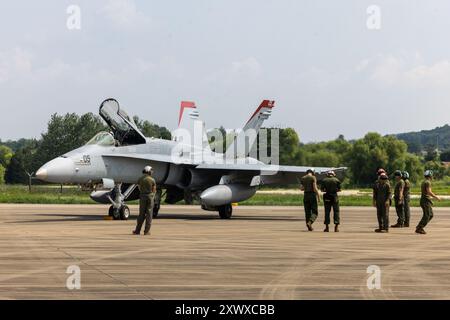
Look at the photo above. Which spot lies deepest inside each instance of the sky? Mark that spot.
(333, 67)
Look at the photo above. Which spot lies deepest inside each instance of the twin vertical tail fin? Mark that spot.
(189, 123)
(247, 136)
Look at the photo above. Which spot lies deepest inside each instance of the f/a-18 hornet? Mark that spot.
(111, 163)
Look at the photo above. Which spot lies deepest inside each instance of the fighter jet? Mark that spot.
(111, 163)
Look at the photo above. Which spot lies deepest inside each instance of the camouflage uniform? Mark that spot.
(146, 186)
(427, 205)
(309, 198)
(399, 208)
(406, 201)
(382, 197)
(331, 186)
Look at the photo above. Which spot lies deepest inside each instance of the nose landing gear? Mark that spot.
(118, 210)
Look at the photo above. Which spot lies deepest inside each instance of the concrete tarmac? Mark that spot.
(261, 253)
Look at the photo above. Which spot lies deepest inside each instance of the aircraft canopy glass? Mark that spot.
(124, 129)
(102, 139)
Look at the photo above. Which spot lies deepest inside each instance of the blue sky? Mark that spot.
(328, 73)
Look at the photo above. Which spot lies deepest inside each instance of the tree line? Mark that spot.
(363, 156)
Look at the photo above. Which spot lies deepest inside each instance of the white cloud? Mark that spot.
(406, 71)
(124, 14)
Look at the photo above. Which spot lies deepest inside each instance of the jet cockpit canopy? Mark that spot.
(123, 127)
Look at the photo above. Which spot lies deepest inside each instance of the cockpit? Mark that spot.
(125, 131)
(102, 139)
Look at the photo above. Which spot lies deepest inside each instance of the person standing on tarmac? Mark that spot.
(406, 198)
(399, 199)
(147, 189)
(331, 186)
(426, 202)
(381, 201)
(311, 197)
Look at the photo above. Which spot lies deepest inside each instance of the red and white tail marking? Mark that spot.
(184, 105)
(269, 104)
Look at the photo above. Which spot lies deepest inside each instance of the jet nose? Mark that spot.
(59, 170)
(41, 174)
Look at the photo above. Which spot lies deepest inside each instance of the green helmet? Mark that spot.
(428, 173)
(405, 175)
(397, 173)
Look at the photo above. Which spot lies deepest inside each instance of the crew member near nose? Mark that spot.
(331, 186)
(426, 202)
(311, 197)
(399, 199)
(147, 189)
(406, 198)
(382, 201)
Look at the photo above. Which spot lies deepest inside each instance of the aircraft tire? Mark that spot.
(124, 212)
(114, 213)
(226, 211)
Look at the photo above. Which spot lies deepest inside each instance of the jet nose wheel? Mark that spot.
(225, 211)
(122, 213)
(113, 212)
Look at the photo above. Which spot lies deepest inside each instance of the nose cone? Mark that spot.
(59, 170)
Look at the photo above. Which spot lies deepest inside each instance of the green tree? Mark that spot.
(290, 152)
(445, 155)
(23, 161)
(2, 174)
(5, 155)
(374, 151)
(152, 130)
(65, 133)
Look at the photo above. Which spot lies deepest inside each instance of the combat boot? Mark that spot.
(379, 230)
(135, 233)
(309, 226)
(420, 231)
(406, 225)
(336, 228)
(397, 225)
(326, 229)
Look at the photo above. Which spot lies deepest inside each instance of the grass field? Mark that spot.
(74, 195)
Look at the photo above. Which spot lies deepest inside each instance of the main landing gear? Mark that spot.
(225, 211)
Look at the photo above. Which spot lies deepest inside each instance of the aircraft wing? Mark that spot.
(268, 174)
(273, 174)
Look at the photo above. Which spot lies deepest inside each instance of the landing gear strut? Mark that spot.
(225, 211)
(118, 209)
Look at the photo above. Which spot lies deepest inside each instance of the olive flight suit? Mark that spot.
(331, 186)
(406, 201)
(309, 198)
(399, 204)
(146, 185)
(382, 197)
(427, 205)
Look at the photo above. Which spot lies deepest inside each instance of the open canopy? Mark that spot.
(124, 129)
